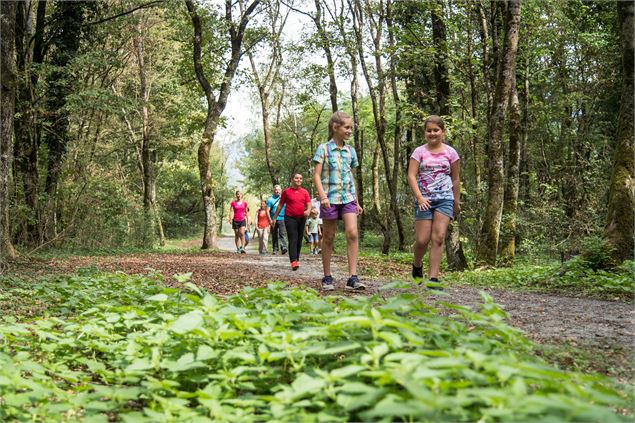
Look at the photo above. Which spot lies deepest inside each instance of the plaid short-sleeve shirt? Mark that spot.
(337, 176)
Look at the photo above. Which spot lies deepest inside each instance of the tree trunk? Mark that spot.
(358, 140)
(490, 230)
(70, 20)
(148, 154)
(326, 46)
(375, 171)
(7, 110)
(378, 100)
(619, 224)
(25, 126)
(510, 204)
(524, 156)
(215, 104)
(266, 82)
(397, 135)
(453, 248)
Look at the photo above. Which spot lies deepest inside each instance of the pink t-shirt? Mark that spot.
(240, 210)
(435, 182)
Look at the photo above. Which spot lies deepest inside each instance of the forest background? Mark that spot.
(114, 140)
(117, 144)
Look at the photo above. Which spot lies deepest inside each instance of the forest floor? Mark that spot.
(602, 331)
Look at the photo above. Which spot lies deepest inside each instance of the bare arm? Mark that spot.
(455, 171)
(231, 213)
(317, 181)
(359, 208)
(307, 209)
(413, 170)
(275, 215)
(269, 215)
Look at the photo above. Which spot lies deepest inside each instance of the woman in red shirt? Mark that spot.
(298, 209)
(263, 221)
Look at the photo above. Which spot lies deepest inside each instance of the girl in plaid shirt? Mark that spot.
(335, 183)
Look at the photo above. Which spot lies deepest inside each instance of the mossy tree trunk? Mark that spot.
(510, 203)
(7, 110)
(490, 230)
(621, 210)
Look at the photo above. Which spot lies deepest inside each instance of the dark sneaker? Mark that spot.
(242, 250)
(327, 283)
(284, 251)
(354, 284)
(435, 284)
(417, 273)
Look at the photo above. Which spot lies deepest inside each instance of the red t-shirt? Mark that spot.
(296, 201)
(263, 220)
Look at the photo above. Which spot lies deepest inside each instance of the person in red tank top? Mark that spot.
(298, 207)
(263, 221)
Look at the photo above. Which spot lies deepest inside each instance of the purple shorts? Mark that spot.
(336, 211)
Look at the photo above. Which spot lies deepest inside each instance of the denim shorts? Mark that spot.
(313, 237)
(444, 206)
(335, 211)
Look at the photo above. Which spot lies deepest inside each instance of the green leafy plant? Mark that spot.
(117, 347)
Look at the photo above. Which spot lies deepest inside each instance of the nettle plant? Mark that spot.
(114, 347)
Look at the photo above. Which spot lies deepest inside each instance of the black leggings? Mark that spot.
(295, 234)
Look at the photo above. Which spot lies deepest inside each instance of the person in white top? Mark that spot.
(315, 204)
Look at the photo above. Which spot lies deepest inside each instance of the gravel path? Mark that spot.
(543, 317)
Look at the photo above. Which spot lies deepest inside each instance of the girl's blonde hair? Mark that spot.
(337, 118)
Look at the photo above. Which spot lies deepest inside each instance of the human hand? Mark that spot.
(457, 209)
(424, 203)
(325, 202)
(359, 210)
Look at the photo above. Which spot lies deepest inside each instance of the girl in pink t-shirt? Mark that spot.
(238, 218)
(433, 176)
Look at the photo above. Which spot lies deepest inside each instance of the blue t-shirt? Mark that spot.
(272, 203)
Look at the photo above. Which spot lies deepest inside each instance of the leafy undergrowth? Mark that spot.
(574, 279)
(117, 347)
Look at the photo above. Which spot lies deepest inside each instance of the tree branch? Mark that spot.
(110, 18)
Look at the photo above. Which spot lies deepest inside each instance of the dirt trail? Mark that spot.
(598, 325)
(543, 317)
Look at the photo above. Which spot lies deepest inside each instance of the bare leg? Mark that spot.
(241, 235)
(352, 241)
(237, 238)
(328, 237)
(439, 227)
(423, 232)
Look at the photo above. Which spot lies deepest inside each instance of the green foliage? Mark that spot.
(579, 273)
(576, 277)
(596, 254)
(126, 348)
